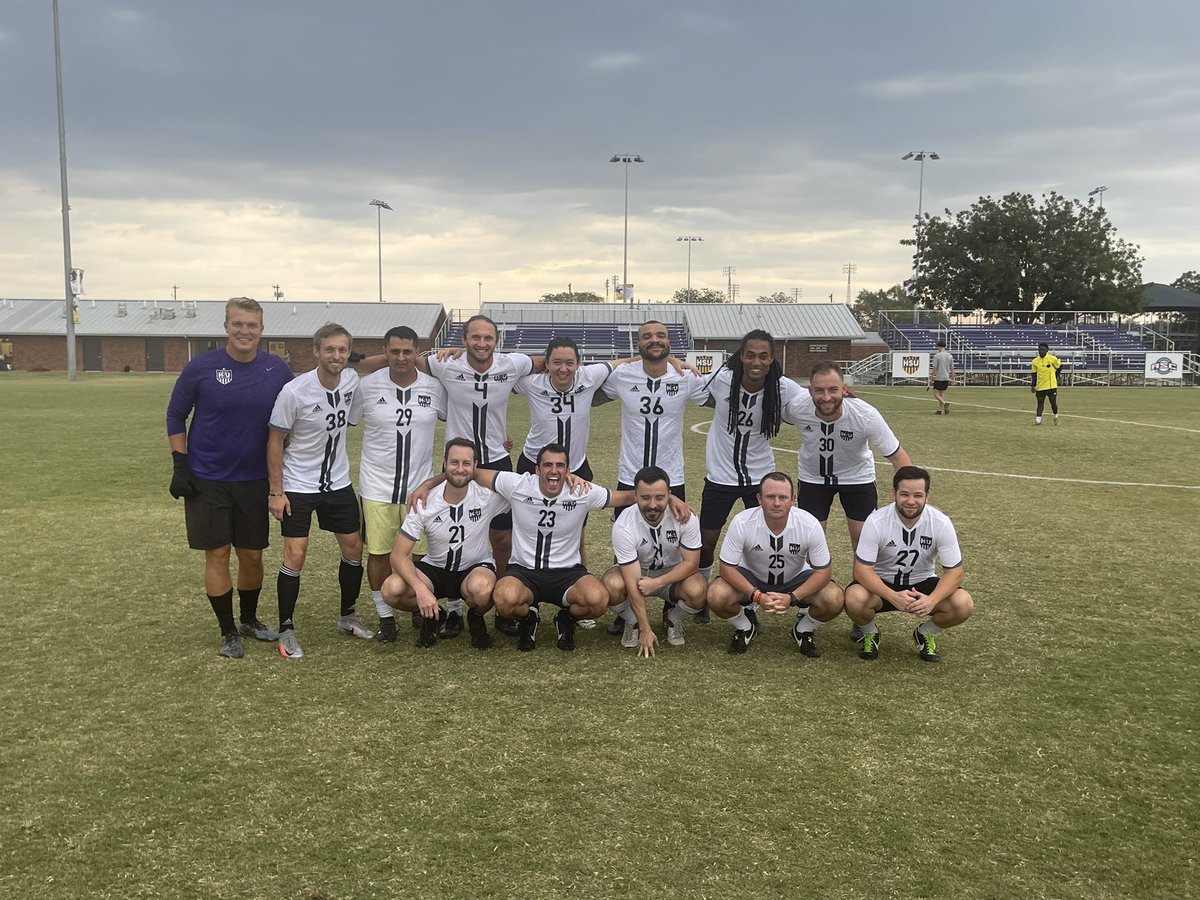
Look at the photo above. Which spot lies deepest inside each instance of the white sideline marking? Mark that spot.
(1062, 415)
(700, 428)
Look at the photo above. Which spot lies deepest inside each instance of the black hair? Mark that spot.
(910, 473)
(561, 341)
(772, 403)
(459, 442)
(553, 448)
(651, 475)
(777, 476)
(400, 333)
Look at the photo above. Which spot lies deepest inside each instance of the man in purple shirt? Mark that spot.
(221, 465)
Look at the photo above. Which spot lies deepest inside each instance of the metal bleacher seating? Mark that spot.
(597, 340)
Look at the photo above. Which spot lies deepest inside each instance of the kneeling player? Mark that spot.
(775, 556)
(454, 519)
(656, 556)
(894, 567)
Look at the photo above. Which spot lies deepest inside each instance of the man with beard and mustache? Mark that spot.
(894, 568)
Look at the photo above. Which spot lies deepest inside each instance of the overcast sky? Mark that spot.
(225, 147)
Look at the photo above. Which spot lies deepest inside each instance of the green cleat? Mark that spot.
(926, 645)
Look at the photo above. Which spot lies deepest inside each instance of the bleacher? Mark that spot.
(596, 340)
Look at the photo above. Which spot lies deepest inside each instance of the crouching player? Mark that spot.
(657, 556)
(894, 567)
(458, 565)
(775, 556)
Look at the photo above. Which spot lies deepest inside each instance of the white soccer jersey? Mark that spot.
(314, 458)
(477, 402)
(652, 418)
(742, 458)
(546, 530)
(457, 535)
(775, 558)
(836, 452)
(562, 417)
(903, 556)
(398, 426)
(656, 547)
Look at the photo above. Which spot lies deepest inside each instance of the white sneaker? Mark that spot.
(1056, 418)
(289, 646)
(675, 634)
(351, 625)
(629, 637)
(586, 624)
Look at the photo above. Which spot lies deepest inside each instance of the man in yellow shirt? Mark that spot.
(1044, 381)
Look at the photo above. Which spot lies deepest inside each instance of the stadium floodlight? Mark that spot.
(380, 206)
(691, 239)
(70, 299)
(1099, 190)
(626, 158)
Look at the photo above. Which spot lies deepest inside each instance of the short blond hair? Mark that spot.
(245, 304)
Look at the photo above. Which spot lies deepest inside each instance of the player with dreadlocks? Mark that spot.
(748, 393)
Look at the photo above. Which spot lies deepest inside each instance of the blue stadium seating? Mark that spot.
(596, 340)
(1005, 347)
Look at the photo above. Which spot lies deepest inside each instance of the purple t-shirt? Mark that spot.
(230, 403)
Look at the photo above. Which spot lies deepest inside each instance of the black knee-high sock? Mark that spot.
(350, 576)
(287, 585)
(248, 603)
(223, 607)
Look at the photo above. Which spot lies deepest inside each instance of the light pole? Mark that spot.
(626, 158)
(1100, 190)
(380, 206)
(66, 206)
(849, 269)
(920, 156)
(690, 239)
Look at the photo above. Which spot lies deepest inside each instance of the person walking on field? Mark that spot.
(941, 375)
(1044, 381)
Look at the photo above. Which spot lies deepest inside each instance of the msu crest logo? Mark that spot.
(569, 505)
(424, 400)
(224, 376)
(847, 435)
(794, 549)
(672, 537)
(500, 378)
(1161, 366)
(475, 513)
(672, 390)
(926, 541)
(910, 364)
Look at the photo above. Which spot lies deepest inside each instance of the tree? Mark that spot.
(1188, 281)
(698, 295)
(868, 304)
(777, 297)
(572, 297)
(1019, 254)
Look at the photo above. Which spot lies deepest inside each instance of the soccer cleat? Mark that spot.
(926, 645)
(564, 624)
(674, 632)
(258, 631)
(870, 645)
(702, 617)
(453, 626)
(289, 646)
(586, 624)
(1056, 418)
(856, 634)
(946, 408)
(231, 647)
(351, 625)
(804, 640)
(477, 626)
(616, 626)
(508, 626)
(741, 640)
(430, 629)
(629, 637)
(387, 631)
(527, 630)
(937, 412)
(417, 620)
(752, 615)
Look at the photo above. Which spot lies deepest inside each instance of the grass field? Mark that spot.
(1052, 753)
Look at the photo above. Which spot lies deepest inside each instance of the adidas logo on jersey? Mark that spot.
(381, 402)
(808, 428)
(891, 544)
(461, 377)
(317, 408)
(758, 546)
(644, 542)
(635, 390)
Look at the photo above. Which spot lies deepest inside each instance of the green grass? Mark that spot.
(1051, 754)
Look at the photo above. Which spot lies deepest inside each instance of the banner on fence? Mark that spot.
(910, 365)
(1164, 365)
(707, 361)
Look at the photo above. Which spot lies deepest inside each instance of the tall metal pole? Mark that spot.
(690, 239)
(379, 246)
(626, 158)
(66, 207)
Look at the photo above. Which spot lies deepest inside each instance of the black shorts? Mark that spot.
(526, 466)
(337, 511)
(717, 501)
(1052, 392)
(547, 585)
(858, 500)
(764, 585)
(228, 512)
(448, 585)
(941, 385)
(678, 490)
(926, 587)
(502, 522)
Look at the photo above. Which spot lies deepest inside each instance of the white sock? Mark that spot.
(1039, 419)
(381, 608)
(928, 627)
(453, 606)
(706, 571)
(621, 609)
(870, 628)
(676, 613)
(741, 621)
(807, 622)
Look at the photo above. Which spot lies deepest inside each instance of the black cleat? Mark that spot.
(870, 645)
(526, 630)
(926, 645)
(702, 617)
(752, 615)
(430, 629)
(507, 626)
(564, 624)
(387, 631)
(417, 621)
(804, 640)
(477, 626)
(454, 625)
(741, 640)
(616, 627)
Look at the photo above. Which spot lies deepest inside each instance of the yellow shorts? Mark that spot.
(380, 522)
